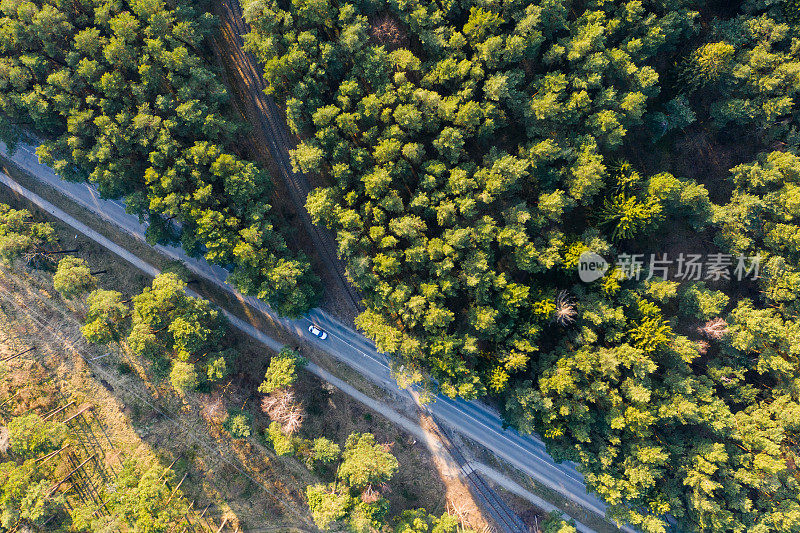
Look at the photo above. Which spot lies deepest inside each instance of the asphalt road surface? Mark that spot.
(472, 419)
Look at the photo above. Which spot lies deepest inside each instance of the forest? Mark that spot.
(143, 499)
(471, 152)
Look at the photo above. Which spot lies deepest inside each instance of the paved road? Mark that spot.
(472, 419)
(384, 409)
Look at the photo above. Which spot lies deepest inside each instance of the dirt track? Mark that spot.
(273, 141)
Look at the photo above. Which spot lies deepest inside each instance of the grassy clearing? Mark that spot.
(145, 420)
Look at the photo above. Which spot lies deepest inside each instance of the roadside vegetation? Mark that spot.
(471, 152)
(178, 371)
(44, 454)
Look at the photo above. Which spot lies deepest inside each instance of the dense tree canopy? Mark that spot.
(473, 150)
(24, 494)
(127, 101)
(455, 160)
(356, 498)
(167, 324)
(180, 335)
(31, 437)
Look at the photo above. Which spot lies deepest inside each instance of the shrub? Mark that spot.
(184, 377)
(282, 444)
(700, 302)
(73, 277)
(282, 371)
(238, 425)
(325, 451)
(32, 437)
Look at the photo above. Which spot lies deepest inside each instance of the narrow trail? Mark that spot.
(271, 130)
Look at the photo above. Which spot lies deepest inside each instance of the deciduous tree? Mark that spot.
(73, 277)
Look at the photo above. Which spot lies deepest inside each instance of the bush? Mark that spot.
(217, 368)
(282, 371)
(73, 277)
(106, 320)
(661, 290)
(700, 302)
(282, 444)
(238, 425)
(325, 451)
(555, 524)
(365, 462)
(327, 504)
(33, 437)
(683, 199)
(184, 377)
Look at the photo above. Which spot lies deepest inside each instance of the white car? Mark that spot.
(317, 332)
